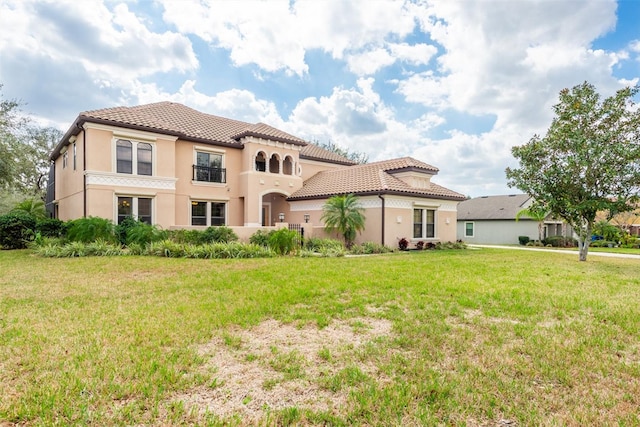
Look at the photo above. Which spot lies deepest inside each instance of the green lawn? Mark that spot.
(473, 337)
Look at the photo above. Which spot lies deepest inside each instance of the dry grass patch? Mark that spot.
(274, 366)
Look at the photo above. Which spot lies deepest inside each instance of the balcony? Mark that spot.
(207, 174)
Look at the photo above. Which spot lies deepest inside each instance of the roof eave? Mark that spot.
(381, 193)
(76, 128)
(241, 135)
(336, 162)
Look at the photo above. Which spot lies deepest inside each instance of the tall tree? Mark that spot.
(588, 161)
(24, 151)
(344, 215)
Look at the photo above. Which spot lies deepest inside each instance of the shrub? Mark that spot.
(523, 240)
(143, 234)
(369, 248)
(284, 241)
(123, 228)
(91, 229)
(420, 245)
(51, 227)
(260, 238)
(192, 237)
(450, 245)
(608, 231)
(318, 245)
(559, 242)
(219, 234)
(17, 229)
(403, 244)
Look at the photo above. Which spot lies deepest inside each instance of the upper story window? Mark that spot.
(124, 156)
(65, 159)
(144, 159)
(209, 167)
(424, 223)
(134, 157)
(75, 156)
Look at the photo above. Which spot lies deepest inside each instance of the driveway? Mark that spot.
(560, 251)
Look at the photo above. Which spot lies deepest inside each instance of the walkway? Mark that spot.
(560, 251)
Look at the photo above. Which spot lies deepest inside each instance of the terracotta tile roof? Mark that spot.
(187, 123)
(372, 178)
(315, 152)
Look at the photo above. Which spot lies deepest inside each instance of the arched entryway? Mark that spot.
(273, 204)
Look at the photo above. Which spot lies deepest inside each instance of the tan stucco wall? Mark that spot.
(398, 218)
(70, 183)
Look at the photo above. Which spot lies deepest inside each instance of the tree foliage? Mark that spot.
(588, 161)
(359, 158)
(344, 215)
(24, 153)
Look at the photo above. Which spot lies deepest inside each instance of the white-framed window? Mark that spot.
(424, 223)
(208, 213)
(140, 208)
(469, 228)
(65, 159)
(209, 167)
(75, 156)
(135, 158)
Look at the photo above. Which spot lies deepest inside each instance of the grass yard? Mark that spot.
(475, 337)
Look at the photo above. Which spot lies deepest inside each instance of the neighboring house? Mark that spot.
(492, 220)
(176, 167)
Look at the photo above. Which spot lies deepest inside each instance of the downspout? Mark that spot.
(84, 169)
(382, 231)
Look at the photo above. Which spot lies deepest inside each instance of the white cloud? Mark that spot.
(110, 45)
(369, 62)
(276, 35)
(237, 104)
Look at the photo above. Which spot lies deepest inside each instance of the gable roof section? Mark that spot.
(372, 178)
(493, 207)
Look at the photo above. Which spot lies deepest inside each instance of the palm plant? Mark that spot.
(344, 215)
(536, 213)
(33, 207)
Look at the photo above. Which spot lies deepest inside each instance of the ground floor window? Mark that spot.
(208, 213)
(424, 223)
(137, 207)
(468, 229)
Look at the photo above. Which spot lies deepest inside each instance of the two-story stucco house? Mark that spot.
(176, 167)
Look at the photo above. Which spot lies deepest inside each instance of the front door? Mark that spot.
(266, 214)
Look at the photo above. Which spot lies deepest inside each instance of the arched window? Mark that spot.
(261, 162)
(287, 166)
(124, 156)
(274, 164)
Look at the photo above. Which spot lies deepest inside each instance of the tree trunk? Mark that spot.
(583, 245)
(584, 239)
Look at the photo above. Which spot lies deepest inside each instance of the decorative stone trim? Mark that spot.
(138, 181)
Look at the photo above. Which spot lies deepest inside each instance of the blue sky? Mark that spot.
(452, 83)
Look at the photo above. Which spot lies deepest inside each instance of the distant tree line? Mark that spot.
(359, 158)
